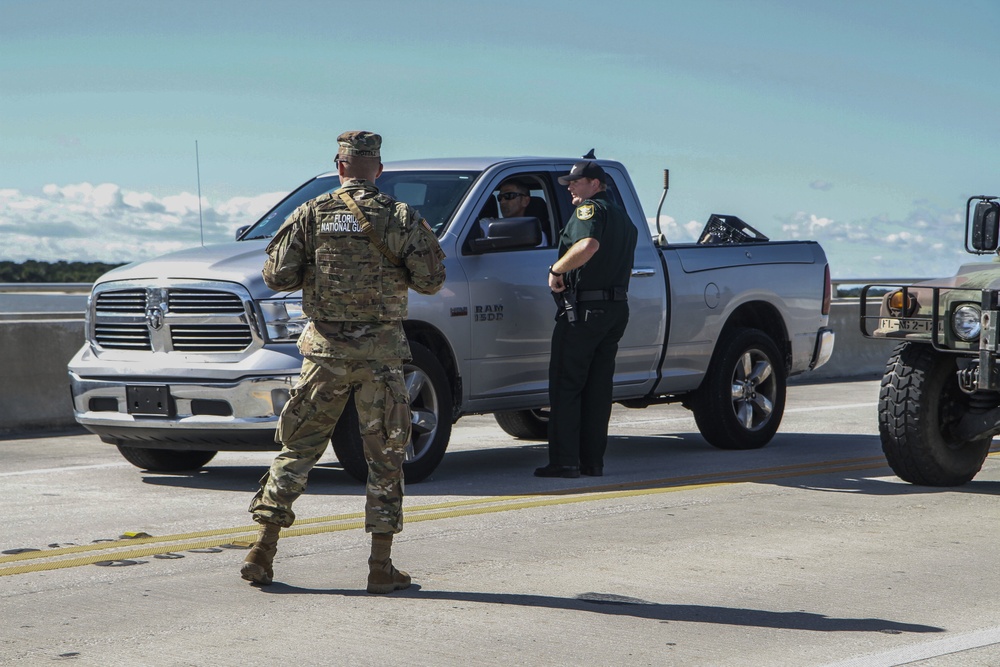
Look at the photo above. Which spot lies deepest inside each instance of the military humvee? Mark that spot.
(939, 403)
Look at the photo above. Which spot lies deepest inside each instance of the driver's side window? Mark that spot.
(518, 196)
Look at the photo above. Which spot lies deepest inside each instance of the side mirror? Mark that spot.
(507, 234)
(982, 229)
(242, 230)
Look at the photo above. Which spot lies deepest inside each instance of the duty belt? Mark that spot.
(610, 294)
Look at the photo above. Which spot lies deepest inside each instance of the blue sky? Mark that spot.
(862, 124)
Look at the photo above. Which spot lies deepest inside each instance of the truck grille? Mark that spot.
(167, 319)
(210, 337)
(124, 301)
(123, 337)
(200, 302)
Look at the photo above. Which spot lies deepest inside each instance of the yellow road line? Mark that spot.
(723, 477)
(130, 549)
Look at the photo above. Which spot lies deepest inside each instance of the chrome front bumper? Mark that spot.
(238, 415)
(253, 403)
(183, 401)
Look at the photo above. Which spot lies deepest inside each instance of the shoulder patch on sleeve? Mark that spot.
(584, 211)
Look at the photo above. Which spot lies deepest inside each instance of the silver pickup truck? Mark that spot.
(191, 353)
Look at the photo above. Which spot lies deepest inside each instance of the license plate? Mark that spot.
(148, 400)
(892, 324)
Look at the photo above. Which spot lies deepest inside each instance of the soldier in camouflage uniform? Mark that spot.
(353, 253)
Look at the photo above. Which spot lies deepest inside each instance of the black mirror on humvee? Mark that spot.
(982, 225)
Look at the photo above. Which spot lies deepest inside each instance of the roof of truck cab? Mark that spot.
(471, 163)
(474, 163)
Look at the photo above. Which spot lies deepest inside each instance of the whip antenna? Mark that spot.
(197, 166)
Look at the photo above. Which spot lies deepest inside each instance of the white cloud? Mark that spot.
(674, 231)
(105, 223)
(928, 242)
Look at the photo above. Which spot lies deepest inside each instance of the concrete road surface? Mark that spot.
(807, 552)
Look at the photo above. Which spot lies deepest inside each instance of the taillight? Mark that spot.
(827, 291)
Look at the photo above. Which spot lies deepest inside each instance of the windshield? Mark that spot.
(435, 194)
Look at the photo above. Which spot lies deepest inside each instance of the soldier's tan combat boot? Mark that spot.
(257, 567)
(382, 576)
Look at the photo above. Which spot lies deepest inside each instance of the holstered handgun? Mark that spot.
(566, 300)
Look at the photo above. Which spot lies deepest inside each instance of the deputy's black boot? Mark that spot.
(382, 576)
(257, 567)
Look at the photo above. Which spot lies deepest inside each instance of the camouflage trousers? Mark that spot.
(308, 420)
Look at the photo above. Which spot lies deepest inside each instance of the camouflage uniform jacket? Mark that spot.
(354, 297)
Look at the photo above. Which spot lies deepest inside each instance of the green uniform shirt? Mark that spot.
(601, 219)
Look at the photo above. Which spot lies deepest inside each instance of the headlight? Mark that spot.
(283, 319)
(965, 322)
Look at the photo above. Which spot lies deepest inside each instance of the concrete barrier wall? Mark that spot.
(34, 389)
(854, 356)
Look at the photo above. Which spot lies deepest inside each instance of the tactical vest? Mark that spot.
(350, 280)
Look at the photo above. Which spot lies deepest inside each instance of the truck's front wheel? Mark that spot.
(430, 408)
(918, 404)
(742, 398)
(165, 460)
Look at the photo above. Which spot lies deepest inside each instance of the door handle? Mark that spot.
(643, 272)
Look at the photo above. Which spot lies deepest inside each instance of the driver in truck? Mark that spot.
(354, 253)
(514, 197)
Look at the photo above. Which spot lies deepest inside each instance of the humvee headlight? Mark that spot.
(283, 319)
(965, 322)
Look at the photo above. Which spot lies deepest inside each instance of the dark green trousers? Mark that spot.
(581, 374)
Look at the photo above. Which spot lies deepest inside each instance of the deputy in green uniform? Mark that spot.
(595, 263)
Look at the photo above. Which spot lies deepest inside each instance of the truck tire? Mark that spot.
(525, 424)
(430, 406)
(918, 402)
(742, 398)
(165, 460)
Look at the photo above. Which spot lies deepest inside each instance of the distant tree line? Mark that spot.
(32, 271)
(855, 292)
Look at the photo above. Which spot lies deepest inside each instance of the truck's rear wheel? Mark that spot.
(165, 460)
(430, 407)
(918, 404)
(742, 398)
(525, 424)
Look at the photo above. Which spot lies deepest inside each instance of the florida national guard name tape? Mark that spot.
(367, 229)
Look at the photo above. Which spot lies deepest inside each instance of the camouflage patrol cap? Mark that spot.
(360, 143)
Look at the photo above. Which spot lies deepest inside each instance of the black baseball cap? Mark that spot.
(584, 169)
